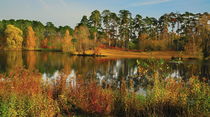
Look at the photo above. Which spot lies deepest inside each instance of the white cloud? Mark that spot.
(149, 3)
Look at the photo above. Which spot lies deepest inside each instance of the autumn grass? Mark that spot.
(116, 53)
(25, 93)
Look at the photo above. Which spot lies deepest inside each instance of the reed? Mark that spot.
(25, 93)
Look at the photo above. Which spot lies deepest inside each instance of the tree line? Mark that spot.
(187, 31)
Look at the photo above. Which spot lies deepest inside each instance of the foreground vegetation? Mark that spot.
(26, 93)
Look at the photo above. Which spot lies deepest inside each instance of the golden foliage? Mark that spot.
(13, 37)
(143, 36)
(31, 39)
(82, 33)
(67, 45)
(153, 44)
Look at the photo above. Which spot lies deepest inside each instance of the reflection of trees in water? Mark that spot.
(110, 71)
(3, 60)
(67, 63)
(31, 60)
(85, 66)
(205, 70)
(49, 62)
(14, 60)
(192, 68)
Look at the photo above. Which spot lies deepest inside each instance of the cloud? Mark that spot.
(149, 3)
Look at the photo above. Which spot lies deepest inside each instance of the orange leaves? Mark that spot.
(22, 82)
(44, 43)
(92, 98)
(30, 39)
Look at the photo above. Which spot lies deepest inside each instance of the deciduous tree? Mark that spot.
(13, 37)
(67, 45)
(82, 34)
(30, 39)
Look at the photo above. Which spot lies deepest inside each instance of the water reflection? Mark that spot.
(14, 61)
(108, 71)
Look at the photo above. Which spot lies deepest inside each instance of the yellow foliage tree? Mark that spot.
(31, 39)
(14, 38)
(67, 45)
(82, 34)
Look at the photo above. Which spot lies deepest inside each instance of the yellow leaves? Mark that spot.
(13, 37)
(195, 85)
(66, 43)
(142, 70)
(11, 29)
(168, 91)
(82, 34)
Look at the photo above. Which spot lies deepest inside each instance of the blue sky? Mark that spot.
(69, 12)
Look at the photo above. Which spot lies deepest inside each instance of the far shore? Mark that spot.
(114, 53)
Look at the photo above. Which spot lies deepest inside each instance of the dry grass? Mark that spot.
(113, 53)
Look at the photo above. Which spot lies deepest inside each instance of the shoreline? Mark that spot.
(114, 53)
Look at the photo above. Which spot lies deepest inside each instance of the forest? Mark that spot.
(188, 32)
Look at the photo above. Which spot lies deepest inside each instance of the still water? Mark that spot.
(111, 71)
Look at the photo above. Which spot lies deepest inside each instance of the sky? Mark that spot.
(70, 12)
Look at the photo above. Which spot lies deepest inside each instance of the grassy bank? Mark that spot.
(25, 93)
(119, 53)
(116, 53)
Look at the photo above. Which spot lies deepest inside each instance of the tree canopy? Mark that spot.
(13, 38)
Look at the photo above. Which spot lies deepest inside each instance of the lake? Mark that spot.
(105, 70)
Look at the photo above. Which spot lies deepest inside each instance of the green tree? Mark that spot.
(84, 20)
(114, 28)
(125, 23)
(106, 15)
(95, 22)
